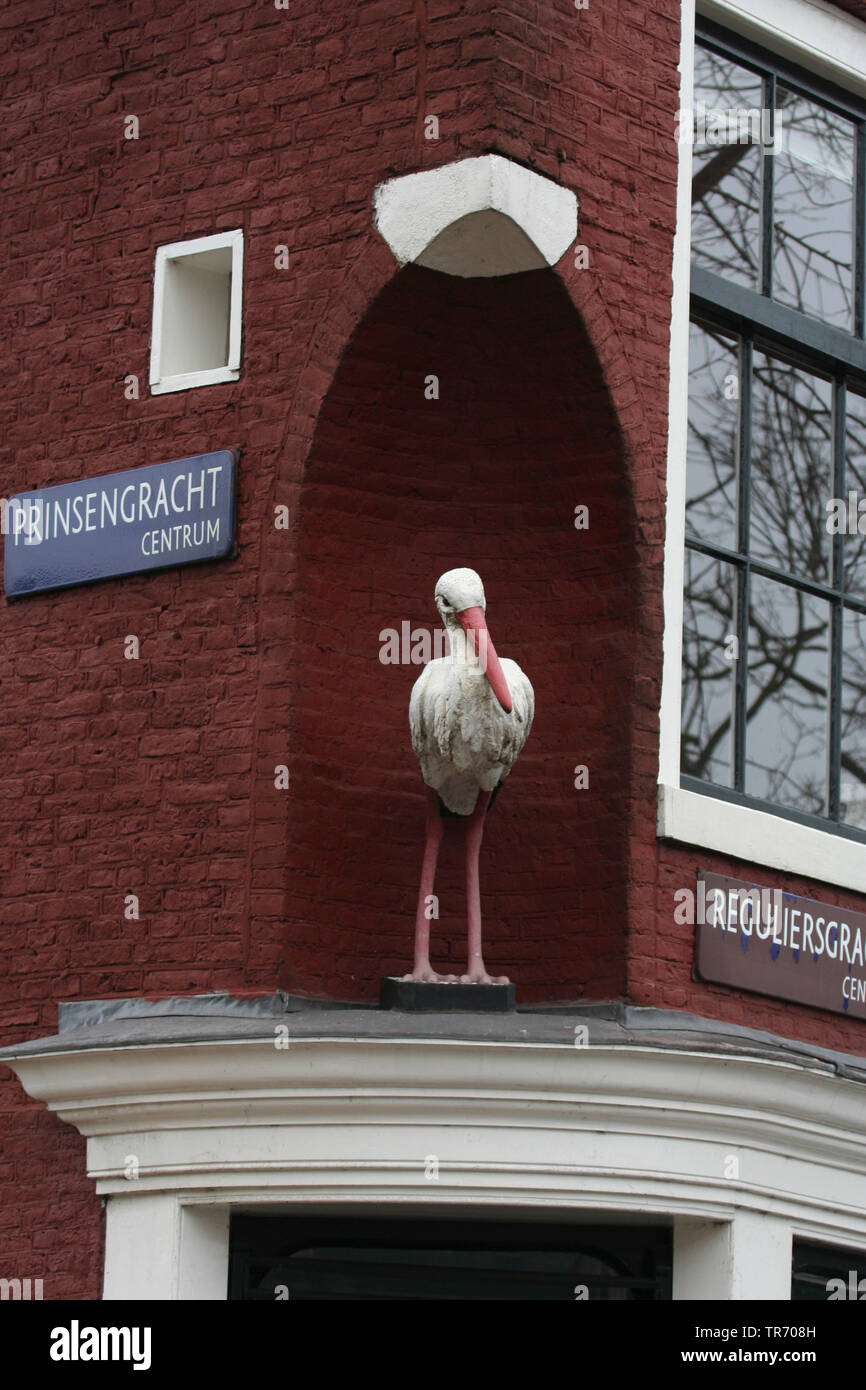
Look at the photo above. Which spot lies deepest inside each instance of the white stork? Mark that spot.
(470, 714)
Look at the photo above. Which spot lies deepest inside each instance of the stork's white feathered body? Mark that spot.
(470, 714)
(465, 742)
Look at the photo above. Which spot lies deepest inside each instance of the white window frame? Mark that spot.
(832, 44)
(211, 376)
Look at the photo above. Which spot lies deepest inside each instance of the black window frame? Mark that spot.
(760, 323)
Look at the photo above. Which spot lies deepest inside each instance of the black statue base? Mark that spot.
(416, 996)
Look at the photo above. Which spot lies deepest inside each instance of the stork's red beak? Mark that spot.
(474, 624)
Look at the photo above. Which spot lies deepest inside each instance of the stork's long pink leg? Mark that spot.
(422, 969)
(476, 974)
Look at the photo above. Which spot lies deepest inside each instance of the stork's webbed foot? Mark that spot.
(481, 977)
(425, 974)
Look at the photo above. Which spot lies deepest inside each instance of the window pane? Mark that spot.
(708, 668)
(853, 774)
(813, 1266)
(855, 481)
(813, 196)
(711, 495)
(726, 173)
(786, 735)
(350, 1258)
(792, 468)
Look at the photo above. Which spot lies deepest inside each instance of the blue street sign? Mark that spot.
(122, 523)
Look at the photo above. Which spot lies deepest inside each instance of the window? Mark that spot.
(774, 626)
(822, 1273)
(336, 1258)
(197, 313)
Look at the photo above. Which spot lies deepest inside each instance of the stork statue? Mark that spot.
(470, 714)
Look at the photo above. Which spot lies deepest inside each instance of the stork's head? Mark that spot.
(456, 591)
(460, 599)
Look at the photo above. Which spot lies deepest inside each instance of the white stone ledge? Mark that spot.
(483, 216)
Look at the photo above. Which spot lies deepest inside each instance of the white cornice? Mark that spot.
(352, 1120)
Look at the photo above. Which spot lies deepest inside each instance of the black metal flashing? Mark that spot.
(220, 1018)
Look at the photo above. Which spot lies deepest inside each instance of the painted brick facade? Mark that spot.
(155, 777)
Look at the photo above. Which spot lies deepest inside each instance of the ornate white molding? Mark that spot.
(633, 1128)
(741, 1152)
(483, 216)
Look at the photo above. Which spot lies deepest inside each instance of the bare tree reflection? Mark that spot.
(787, 700)
(813, 185)
(790, 467)
(726, 180)
(707, 709)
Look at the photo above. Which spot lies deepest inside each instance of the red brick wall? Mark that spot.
(135, 776)
(155, 776)
(52, 1224)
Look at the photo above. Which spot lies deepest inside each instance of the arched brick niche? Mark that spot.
(399, 488)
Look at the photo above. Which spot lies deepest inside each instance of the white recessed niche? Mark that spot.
(196, 338)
